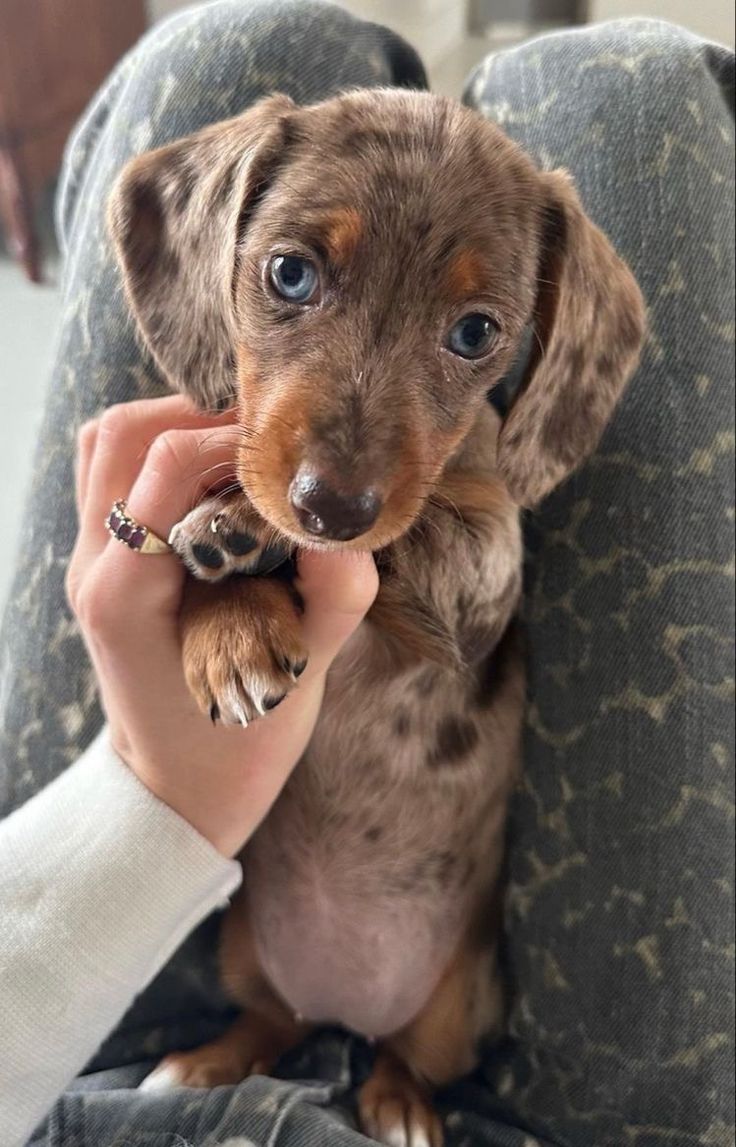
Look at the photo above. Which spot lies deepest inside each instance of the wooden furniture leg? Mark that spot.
(16, 216)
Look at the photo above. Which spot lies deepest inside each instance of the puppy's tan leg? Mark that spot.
(256, 1040)
(438, 1047)
(251, 1046)
(242, 646)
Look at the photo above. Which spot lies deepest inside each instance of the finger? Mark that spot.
(121, 442)
(338, 590)
(176, 473)
(124, 436)
(86, 442)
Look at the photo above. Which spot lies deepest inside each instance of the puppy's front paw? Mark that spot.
(243, 648)
(218, 539)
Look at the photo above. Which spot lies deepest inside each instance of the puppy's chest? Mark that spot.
(360, 881)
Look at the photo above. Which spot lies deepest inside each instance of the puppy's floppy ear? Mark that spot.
(589, 322)
(175, 215)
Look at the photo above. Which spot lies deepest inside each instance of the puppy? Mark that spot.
(356, 276)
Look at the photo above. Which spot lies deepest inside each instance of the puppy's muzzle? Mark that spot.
(328, 513)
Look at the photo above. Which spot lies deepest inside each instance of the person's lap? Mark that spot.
(620, 863)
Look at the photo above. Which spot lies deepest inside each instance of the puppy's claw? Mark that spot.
(292, 668)
(235, 656)
(165, 1077)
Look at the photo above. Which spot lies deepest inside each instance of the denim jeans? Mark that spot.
(619, 904)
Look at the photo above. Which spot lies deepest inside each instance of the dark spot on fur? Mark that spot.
(445, 864)
(141, 225)
(573, 423)
(423, 230)
(605, 364)
(494, 670)
(369, 140)
(456, 738)
(208, 556)
(446, 249)
(402, 723)
(182, 192)
(425, 682)
(168, 263)
(464, 602)
(224, 188)
(373, 834)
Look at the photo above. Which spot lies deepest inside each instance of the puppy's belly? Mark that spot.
(357, 958)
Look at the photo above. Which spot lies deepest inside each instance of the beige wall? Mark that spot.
(435, 27)
(713, 19)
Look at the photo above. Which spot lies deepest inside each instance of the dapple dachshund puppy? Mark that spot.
(356, 276)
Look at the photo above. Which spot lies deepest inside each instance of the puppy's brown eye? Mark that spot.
(473, 336)
(294, 278)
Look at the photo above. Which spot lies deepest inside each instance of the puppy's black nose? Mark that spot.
(327, 514)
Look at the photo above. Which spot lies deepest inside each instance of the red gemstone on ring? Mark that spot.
(115, 521)
(137, 538)
(125, 532)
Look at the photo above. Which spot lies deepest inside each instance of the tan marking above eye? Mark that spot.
(466, 276)
(343, 232)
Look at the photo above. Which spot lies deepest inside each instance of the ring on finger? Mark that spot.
(133, 534)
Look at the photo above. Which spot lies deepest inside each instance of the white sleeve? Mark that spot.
(99, 883)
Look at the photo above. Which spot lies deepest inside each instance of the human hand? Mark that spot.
(161, 455)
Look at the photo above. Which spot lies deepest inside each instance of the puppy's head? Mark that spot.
(356, 276)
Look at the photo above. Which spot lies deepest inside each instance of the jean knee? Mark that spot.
(212, 62)
(655, 49)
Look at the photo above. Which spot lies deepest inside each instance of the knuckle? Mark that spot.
(169, 452)
(87, 433)
(95, 607)
(114, 422)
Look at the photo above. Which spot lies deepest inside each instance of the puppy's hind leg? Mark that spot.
(439, 1046)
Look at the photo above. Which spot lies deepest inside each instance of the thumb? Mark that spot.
(338, 590)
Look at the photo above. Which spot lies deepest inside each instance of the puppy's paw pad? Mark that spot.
(216, 542)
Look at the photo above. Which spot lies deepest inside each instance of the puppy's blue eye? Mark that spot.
(473, 336)
(294, 278)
